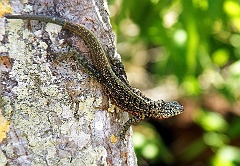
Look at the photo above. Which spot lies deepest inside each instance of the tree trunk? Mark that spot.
(51, 112)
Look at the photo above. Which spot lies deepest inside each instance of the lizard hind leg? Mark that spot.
(132, 121)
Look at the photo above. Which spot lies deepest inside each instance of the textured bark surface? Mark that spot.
(56, 113)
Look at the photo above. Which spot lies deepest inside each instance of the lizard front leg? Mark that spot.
(82, 61)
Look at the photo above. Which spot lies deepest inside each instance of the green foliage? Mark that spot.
(196, 35)
(198, 43)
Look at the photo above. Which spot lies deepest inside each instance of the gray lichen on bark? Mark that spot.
(41, 96)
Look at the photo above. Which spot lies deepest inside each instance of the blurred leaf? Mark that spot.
(220, 57)
(227, 156)
(211, 121)
(150, 151)
(191, 86)
(215, 139)
(232, 8)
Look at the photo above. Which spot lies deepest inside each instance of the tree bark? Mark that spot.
(51, 112)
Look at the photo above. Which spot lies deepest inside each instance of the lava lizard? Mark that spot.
(119, 91)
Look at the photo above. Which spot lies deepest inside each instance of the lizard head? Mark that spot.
(167, 109)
